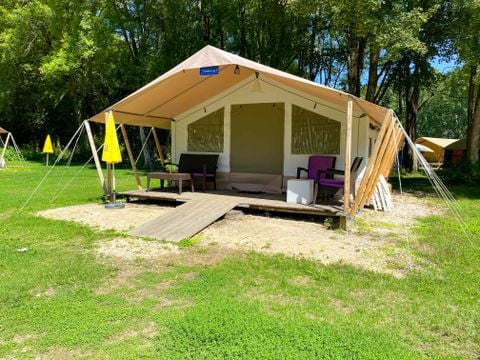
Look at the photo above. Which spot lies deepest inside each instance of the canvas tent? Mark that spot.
(438, 146)
(263, 122)
(456, 151)
(6, 138)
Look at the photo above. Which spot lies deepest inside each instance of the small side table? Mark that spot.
(180, 177)
(300, 191)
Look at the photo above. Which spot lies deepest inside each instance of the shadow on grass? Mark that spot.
(419, 182)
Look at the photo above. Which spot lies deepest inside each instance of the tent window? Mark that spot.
(313, 133)
(206, 134)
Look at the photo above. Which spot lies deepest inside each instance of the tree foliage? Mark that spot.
(64, 60)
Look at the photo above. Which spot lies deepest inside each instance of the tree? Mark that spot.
(466, 35)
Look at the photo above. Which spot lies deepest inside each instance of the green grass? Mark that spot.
(244, 306)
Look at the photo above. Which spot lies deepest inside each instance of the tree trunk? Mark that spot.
(474, 135)
(147, 153)
(205, 21)
(372, 74)
(412, 97)
(472, 149)
(355, 64)
(243, 31)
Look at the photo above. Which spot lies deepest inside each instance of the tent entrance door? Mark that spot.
(257, 140)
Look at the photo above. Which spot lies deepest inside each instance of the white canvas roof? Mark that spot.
(182, 88)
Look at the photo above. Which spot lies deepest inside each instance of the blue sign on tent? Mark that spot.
(208, 71)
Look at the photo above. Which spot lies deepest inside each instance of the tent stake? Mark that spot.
(95, 156)
(130, 156)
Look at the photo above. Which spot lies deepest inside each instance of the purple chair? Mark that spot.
(317, 167)
(329, 185)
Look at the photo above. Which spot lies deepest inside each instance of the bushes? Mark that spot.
(462, 173)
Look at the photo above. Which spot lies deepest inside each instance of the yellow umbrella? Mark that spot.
(47, 147)
(111, 149)
(111, 155)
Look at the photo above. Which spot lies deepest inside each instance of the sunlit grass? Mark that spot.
(243, 306)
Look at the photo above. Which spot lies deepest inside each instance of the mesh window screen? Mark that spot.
(206, 134)
(313, 133)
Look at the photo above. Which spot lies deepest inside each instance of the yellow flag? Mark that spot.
(111, 150)
(47, 146)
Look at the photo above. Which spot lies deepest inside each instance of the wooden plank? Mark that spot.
(348, 157)
(159, 148)
(373, 178)
(371, 163)
(130, 156)
(95, 156)
(378, 166)
(266, 202)
(186, 220)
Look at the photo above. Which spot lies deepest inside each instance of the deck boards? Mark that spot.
(266, 202)
(186, 220)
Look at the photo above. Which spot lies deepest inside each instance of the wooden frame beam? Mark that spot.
(370, 166)
(348, 157)
(158, 146)
(130, 156)
(382, 142)
(98, 165)
(378, 165)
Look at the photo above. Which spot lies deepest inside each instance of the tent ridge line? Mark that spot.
(184, 91)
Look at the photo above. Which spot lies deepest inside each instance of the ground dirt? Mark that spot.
(374, 241)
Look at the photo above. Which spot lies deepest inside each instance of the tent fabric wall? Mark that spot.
(243, 94)
(314, 133)
(207, 133)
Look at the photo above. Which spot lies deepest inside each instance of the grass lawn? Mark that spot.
(58, 299)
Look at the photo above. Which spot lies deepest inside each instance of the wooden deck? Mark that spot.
(186, 220)
(263, 202)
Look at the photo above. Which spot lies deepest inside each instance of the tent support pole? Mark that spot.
(5, 146)
(348, 157)
(159, 148)
(372, 182)
(95, 156)
(371, 163)
(130, 156)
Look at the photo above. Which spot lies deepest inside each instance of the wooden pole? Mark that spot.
(5, 146)
(159, 148)
(95, 156)
(348, 157)
(130, 156)
(378, 165)
(371, 163)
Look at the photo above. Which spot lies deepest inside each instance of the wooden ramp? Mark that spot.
(186, 220)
